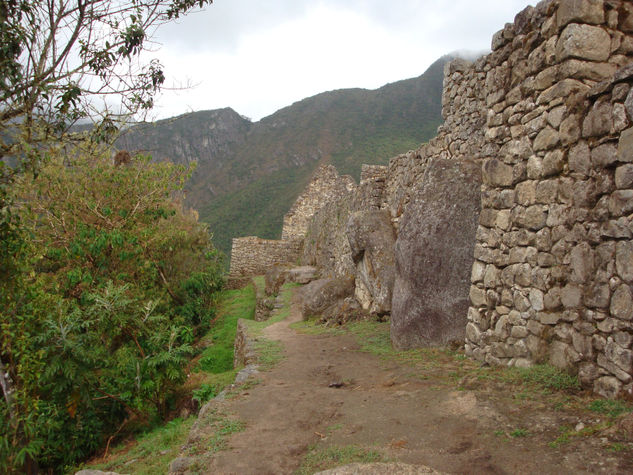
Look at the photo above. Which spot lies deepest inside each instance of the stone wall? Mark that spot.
(461, 135)
(326, 185)
(253, 256)
(552, 280)
(548, 116)
(326, 245)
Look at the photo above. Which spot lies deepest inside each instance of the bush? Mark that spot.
(116, 280)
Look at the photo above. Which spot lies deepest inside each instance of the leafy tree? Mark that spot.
(121, 279)
(69, 265)
(64, 60)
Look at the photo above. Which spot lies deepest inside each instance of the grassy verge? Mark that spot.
(212, 371)
(324, 458)
(271, 352)
(217, 357)
(279, 314)
(148, 453)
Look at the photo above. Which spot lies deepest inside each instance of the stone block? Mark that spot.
(625, 146)
(552, 299)
(619, 356)
(571, 296)
(580, 11)
(582, 263)
(553, 163)
(535, 167)
(584, 42)
(569, 130)
(371, 239)
(560, 91)
(491, 277)
(622, 302)
(604, 155)
(533, 217)
(597, 295)
(588, 373)
(547, 191)
(477, 272)
(577, 69)
(535, 328)
(504, 220)
(526, 193)
(434, 256)
(549, 318)
(497, 173)
(621, 203)
(614, 369)
(582, 345)
(556, 115)
(473, 333)
(559, 354)
(624, 176)
(607, 386)
(536, 300)
(547, 139)
(624, 339)
(319, 295)
(599, 121)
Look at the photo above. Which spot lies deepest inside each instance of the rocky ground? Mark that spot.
(339, 396)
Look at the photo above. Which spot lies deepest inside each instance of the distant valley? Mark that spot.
(249, 173)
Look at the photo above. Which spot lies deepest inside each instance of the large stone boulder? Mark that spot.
(371, 238)
(434, 256)
(275, 277)
(320, 295)
(302, 274)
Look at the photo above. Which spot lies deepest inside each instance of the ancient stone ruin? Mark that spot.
(512, 230)
(253, 256)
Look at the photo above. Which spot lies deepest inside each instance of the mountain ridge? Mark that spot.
(249, 173)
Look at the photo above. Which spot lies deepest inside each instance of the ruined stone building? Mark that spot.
(512, 230)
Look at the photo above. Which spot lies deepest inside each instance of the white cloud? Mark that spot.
(257, 57)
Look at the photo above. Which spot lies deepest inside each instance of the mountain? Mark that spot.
(249, 173)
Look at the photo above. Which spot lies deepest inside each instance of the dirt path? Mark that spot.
(389, 407)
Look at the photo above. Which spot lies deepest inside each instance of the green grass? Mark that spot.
(617, 447)
(211, 384)
(269, 353)
(223, 428)
(319, 459)
(234, 304)
(609, 407)
(278, 315)
(549, 377)
(568, 434)
(151, 452)
(519, 433)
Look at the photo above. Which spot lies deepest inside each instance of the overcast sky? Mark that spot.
(259, 56)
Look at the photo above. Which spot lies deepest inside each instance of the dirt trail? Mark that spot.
(386, 406)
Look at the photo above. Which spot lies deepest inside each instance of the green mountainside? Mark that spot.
(249, 174)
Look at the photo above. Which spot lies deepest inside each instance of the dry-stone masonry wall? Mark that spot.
(326, 185)
(553, 276)
(326, 244)
(548, 116)
(253, 256)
